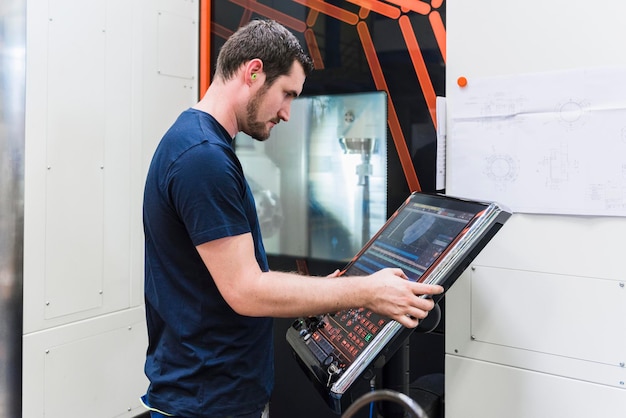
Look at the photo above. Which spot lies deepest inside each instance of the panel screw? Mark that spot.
(621, 284)
(473, 337)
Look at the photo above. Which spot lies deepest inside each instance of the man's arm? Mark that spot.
(251, 292)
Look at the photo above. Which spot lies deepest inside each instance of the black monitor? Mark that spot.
(433, 238)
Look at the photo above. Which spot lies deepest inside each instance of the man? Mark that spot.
(209, 293)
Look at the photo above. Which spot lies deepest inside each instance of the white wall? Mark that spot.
(105, 79)
(535, 327)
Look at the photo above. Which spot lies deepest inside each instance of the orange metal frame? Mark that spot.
(205, 45)
(392, 9)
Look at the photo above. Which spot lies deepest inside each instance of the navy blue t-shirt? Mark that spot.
(203, 359)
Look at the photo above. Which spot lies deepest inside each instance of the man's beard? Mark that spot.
(254, 128)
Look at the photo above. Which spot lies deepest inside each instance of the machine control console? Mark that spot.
(433, 239)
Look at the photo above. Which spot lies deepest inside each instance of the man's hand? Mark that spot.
(395, 297)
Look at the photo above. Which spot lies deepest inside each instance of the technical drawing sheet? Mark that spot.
(552, 143)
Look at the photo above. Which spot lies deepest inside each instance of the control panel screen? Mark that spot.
(412, 241)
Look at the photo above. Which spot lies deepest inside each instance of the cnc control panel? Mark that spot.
(433, 239)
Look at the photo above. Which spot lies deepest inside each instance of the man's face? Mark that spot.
(269, 105)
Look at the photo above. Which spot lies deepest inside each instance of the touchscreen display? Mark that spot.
(412, 241)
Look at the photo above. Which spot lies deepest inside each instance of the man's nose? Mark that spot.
(283, 113)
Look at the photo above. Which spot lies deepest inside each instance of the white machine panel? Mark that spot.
(65, 391)
(549, 313)
(176, 43)
(93, 368)
(75, 153)
(487, 390)
(498, 315)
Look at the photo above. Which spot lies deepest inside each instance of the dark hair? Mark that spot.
(267, 40)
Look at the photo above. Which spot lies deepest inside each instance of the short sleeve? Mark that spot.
(207, 187)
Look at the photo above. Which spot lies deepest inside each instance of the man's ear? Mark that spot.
(252, 70)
